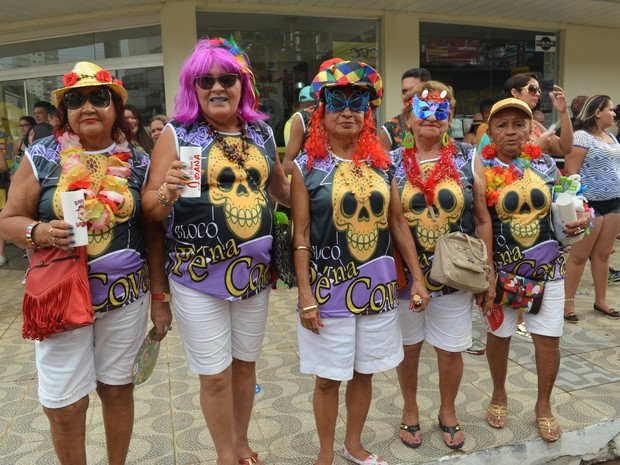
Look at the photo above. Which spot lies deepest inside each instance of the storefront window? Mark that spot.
(134, 53)
(476, 61)
(82, 47)
(286, 51)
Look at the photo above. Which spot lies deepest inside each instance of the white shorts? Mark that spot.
(365, 343)
(214, 331)
(549, 321)
(70, 364)
(445, 324)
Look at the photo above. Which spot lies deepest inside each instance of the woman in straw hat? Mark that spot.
(88, 154)
(345, 205)
(220, 235)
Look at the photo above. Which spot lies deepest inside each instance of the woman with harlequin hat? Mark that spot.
(347, 214)
(441, 188)
(219, 232)
(90, 153)
(529, 260)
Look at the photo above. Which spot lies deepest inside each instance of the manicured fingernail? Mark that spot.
(183, 165)
(70, 227)
(71, 233)
(71, 241)
(410, 306)
(70, 249)
(186, 176)
(179, 187)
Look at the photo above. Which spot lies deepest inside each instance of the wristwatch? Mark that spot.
(164, 297)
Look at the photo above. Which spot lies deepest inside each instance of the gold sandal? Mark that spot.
(250, 461)
(548, 425)
(500, 413)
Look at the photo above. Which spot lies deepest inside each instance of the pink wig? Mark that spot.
(207, 54)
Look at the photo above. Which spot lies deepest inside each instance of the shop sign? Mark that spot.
(357, 51)
(545, 43)
(456, 51)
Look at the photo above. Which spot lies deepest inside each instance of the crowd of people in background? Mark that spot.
(368, 204)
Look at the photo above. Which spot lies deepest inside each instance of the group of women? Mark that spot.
(208, 226)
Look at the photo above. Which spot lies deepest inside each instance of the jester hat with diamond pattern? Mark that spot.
(350, 73)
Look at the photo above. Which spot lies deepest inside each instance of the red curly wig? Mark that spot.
(368, 146)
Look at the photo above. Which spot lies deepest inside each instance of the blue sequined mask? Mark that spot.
(424, 109)
(336, 100)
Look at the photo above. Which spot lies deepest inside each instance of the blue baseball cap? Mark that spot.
(305, 94)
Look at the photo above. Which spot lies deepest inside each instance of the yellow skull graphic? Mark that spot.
(360, 200)
(98, 241)
(240, 190)
(448, 206)
(522, 204)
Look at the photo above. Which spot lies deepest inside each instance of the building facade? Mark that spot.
(145, 43)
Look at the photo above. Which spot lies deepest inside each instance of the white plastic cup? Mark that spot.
(566, 207)
(191, 157)
(74, 213)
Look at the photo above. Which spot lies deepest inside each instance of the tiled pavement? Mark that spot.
(170, 429)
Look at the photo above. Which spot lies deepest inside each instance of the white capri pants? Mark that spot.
(70, 364)
(364, 343)
(214, 331)
(549, 321)
(445, 324)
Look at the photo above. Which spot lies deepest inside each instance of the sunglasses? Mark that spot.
(337, 100)
(532, 89)
(207, 81)
(99, 98)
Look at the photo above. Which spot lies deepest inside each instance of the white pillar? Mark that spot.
(178, 36)
(401, 45)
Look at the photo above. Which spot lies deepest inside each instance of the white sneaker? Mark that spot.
(3, 260)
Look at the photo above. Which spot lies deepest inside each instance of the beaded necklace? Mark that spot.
(444, 168)
(230, 152)
(498, 176)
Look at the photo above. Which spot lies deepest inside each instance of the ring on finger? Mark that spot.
(579, 231)
(53, 241)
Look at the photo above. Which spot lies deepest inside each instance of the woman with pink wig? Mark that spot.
(218, 238)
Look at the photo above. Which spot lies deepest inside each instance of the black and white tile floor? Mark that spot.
(170, 430)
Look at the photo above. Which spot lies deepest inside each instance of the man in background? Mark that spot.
(42, 111)
(393, 132)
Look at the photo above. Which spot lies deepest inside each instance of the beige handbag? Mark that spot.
(461, 262)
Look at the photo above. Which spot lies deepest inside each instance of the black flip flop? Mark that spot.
(411, 429)
(571, 317)
(451, 430)
(613, 314)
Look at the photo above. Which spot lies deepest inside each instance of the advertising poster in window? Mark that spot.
(357, 51)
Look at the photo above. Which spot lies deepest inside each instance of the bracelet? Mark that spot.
(302, 247)
(162, 197)
(311, 308)
(29, 231)
(162, 297)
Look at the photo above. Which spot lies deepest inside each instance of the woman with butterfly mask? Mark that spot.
(442, 189)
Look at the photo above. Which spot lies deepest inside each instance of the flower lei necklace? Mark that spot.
(230, 152)
(444, 168)
(102, 204)
(498, 176)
